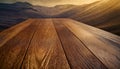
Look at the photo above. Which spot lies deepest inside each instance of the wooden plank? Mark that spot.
(11, 32)
(108, 53)
(45, 51)
(78, 55)
(104, 36)
(13, 51)
(99, 32)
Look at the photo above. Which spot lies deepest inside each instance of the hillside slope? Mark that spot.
(104, 14)
(101, 14)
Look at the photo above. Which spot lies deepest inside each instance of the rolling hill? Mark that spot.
(104, 14)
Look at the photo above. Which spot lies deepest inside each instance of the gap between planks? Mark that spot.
(104, 67)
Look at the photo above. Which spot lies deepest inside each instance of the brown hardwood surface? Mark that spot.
(106, 51)
(58, 43)
(78, 55)
(13, 51)
(45, 51)
(11, 32)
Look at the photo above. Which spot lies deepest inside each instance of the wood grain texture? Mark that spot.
(11, 32)
(98, 32)
(13, 51)
(45, 51)
(108, 53)
(78, 55)
(58, 44)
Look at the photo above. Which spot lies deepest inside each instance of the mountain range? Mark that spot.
(104, 14)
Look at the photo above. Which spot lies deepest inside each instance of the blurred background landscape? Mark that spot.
(103, 14)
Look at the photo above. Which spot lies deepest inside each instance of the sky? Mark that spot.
(51, 2)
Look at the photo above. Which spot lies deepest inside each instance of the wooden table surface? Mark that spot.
(58, 44)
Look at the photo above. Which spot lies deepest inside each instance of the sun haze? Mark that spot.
(51, 2)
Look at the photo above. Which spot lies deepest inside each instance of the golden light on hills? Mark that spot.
(62, 2)
(51, 2)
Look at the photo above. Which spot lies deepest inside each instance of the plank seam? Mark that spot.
(28, 47)
(62, 46)
(10, 37)
(86, 46)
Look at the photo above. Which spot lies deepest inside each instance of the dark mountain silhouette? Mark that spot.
(11, 14)
(101, 14)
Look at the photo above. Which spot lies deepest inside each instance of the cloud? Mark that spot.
(51, 2)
